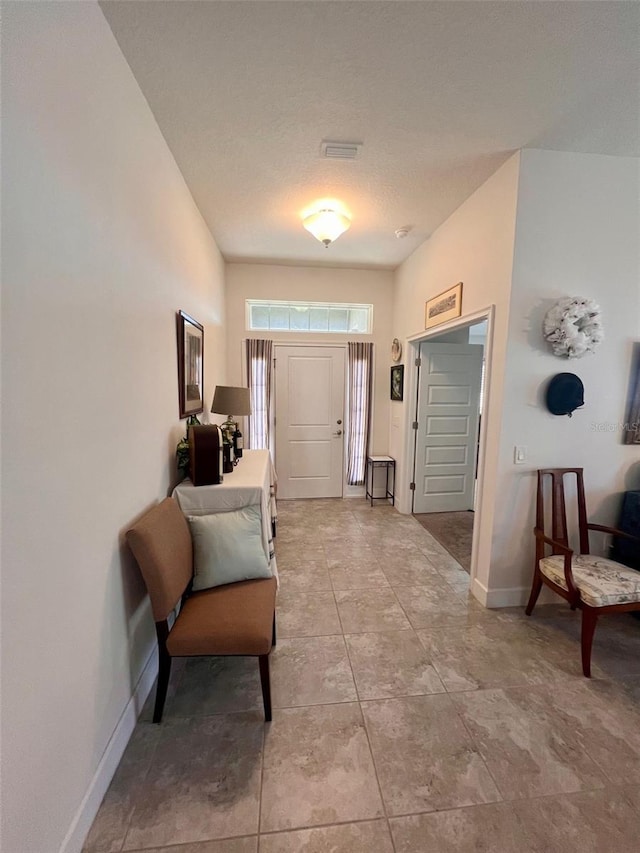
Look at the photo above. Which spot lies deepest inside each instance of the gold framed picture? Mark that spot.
(445, 306)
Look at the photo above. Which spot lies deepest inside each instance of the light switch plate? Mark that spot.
(519, 454)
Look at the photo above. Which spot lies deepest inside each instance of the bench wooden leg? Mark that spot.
(164, 671)
(263, 660)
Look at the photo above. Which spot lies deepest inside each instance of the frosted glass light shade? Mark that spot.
(326, 225)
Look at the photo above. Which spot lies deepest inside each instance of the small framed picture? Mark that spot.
(190, 365)
(445, 306)
(397, 382)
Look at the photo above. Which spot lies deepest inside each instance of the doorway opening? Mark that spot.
(447, 428)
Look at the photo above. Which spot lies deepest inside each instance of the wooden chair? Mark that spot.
(593, 584)
(235, 619)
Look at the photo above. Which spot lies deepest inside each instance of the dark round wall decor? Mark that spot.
(565, 394)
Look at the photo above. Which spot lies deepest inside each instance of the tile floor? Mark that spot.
(406, 717)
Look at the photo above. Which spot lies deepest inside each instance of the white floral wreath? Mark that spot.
(573, 327)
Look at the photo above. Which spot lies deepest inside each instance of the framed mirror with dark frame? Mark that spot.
(190, 365)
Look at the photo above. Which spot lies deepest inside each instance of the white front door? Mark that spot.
(448, 420)
(309, 421)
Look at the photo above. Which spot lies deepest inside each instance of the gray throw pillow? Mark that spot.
(227, 547)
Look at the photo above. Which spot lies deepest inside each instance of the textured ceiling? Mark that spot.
(439, 93)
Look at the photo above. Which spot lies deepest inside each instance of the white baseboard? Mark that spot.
(516, 596)
(88, 809)
(354, 491)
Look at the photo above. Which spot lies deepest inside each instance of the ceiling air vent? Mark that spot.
(340, 150)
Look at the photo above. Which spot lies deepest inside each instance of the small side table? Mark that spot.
(387, 463)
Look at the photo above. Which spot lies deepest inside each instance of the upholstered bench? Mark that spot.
(233, 619)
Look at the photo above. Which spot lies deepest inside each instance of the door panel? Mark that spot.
(454, 395)
(444, 485)
(309, 458)
(438, 425)
(309, 418)
(453, 455)
(448, 417)
(309, 383)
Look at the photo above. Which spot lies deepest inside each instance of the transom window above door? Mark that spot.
(334, 317)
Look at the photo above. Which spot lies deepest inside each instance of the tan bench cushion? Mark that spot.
(161, 544)
(600, 581)
(236, 619)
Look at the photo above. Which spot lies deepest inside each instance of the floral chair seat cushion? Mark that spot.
(600, 581)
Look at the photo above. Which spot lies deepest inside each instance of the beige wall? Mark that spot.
(576, 235)
(315, 284)
(102, 243)
(475, 246)
(547, 224)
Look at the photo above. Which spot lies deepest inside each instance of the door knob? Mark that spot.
(338, 422)
(339, 432)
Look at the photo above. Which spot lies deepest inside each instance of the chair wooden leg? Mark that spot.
(273, 632)
(263, 660)
(536, 586)
(164, 671)
(589, 619)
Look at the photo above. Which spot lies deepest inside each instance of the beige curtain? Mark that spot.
(259, 360)
(359, 380)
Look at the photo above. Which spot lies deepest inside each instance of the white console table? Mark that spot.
(251, 483)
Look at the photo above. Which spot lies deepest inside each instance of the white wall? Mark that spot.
(102, 244)
(545, 225)
(475, 246)
(577, 235)
(316, 284)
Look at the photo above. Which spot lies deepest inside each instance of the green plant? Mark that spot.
(182, 449)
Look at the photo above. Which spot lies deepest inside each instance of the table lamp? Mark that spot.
(235, 401)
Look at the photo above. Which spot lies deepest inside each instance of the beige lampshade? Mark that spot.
(231, 400)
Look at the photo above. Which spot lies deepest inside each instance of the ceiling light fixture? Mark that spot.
(326, 225)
